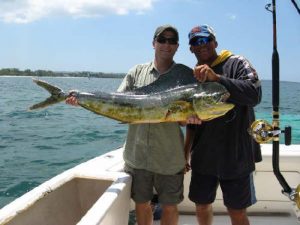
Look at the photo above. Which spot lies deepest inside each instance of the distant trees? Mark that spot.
(9, 71)
(49, 73)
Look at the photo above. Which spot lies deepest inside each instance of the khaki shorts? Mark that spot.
(169, 188)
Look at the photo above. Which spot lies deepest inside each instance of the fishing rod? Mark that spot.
(264, 132)
(296, 6)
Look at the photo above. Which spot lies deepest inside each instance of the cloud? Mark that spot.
(26, 11)
(231, 16)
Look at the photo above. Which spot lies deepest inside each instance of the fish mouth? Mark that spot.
(224, 97)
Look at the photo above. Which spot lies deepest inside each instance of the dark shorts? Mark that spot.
(169, 188)
(237, 193)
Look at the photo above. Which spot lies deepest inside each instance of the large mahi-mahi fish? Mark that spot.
(206, 100)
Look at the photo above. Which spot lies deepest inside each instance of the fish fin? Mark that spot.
(177, 106)
(50, 88)
(57, 95)
(43, 104)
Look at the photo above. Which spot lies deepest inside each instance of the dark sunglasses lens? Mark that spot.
(163, 40)
(201, 41)
(172, 41)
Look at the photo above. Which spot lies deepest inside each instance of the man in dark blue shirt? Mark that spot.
(222, 151)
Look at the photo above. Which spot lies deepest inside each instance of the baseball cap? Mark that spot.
(201, 31)
(166, 27)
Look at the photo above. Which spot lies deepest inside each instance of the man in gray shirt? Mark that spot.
(153, 153)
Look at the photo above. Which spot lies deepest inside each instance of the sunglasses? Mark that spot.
(201, 41)
(163, 40)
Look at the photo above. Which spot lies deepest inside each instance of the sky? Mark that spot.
(111, 36)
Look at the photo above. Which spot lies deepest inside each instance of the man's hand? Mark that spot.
(194, 119)
(187, 168)
(72, 100)
(204, 73)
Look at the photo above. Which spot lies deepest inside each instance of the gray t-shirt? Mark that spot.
(155, 147)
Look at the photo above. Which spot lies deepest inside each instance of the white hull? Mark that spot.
(98, 192)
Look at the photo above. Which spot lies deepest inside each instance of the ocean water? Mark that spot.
(37, 145)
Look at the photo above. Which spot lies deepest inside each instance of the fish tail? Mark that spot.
(57, 95)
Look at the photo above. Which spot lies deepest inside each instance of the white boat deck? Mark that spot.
(263, 219)
(98, 193)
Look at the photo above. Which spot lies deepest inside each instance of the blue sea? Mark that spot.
(37, 145)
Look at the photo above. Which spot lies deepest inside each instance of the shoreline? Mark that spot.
(111, 77)
(104, 77)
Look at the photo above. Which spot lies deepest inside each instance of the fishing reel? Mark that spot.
(296, 196)
(264, 132)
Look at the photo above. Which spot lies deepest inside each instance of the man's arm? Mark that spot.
(188, 143)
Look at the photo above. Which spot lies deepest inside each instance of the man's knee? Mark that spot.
(169, 208)
(203, 207)
(237, 214)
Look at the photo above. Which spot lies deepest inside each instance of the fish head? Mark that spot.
(210, 101)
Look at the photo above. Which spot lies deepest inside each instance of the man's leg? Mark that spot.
(203, 189)
(238, 195)
(141, 193)
(170, 194)
(204, 214)
(169, 215)
(144, 214)
(238, 216)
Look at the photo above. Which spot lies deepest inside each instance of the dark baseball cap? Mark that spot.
(202, 31)
(166, 27)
